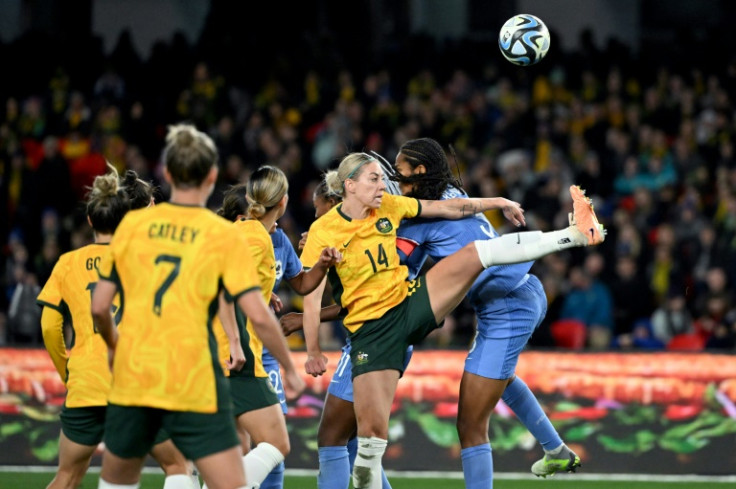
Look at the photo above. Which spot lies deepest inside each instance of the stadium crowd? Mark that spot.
(652, 144)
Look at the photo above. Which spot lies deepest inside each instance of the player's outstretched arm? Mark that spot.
(294, 321)
(316, 363)
(306, 282)
(459, 208)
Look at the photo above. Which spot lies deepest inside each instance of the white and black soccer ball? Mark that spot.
(524, 40)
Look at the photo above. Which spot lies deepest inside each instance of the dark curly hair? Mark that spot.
(431, 184)
(139, 192)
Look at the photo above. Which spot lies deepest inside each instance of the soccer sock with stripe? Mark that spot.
(521, 400)
(526, 246)
(478, 466)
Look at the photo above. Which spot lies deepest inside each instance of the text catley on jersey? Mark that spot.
(169, 262)
(369, 280)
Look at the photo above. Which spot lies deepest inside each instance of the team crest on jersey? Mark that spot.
(384, 225)
(361, 358)
(279, 270)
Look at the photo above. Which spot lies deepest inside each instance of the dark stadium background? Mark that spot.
(258, 56)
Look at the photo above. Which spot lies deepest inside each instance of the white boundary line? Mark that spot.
(450, 475)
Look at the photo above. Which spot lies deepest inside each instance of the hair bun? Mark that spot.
(130, 177)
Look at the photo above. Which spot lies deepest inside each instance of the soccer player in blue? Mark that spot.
(509, 303)
(338, 420)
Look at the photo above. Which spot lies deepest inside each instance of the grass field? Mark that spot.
(32, 480)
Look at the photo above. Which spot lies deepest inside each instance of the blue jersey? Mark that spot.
(438, 238)
(288, 266)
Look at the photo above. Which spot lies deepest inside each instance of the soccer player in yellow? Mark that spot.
(169, 263)
(67, 295)
(385, 312)
(256, 207)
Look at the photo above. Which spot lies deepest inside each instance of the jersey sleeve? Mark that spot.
(239, 275)
(402, 207)
(50, 295)
(316, 242)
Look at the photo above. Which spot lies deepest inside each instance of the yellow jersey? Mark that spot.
(369, 280)
(69, 291)
(170, 262)
(261, 249)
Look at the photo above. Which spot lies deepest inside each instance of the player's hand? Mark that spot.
(316, 365)
(276, 303)
(293, 385)
(303, 240)
(291, 323)
(237, 357)
(329, 257)
(513, 212)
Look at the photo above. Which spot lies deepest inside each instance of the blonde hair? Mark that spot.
(350, 168)
(107, 202)
(266, 187)
(189, 155)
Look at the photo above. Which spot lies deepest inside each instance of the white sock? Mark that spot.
(103, 484)
(367, 468)
(260, 462)
(195, 479)
(555, 451)
(526, 246)
(178, 481)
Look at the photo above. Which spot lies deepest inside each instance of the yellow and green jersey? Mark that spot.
(369, 280)
(261, 249)
(170, 262)
(69, 291)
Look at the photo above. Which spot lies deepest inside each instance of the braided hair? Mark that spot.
(431, 184)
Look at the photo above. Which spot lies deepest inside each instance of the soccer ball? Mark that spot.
(524, 40)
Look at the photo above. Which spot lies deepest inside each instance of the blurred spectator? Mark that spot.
(672, 318)
(590, 302)
(631, 296)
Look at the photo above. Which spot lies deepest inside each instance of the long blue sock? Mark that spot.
(334, 468)
(478, 466)
(522, 402)
(353, 452)
(275, 478)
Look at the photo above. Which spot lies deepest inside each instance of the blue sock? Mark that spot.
(522, 402)
(353, 452)
(275, 479)
(334, 468)
(478, 466)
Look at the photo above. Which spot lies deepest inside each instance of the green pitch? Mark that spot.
(26, 480)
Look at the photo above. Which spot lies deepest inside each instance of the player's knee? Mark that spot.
(329, 436)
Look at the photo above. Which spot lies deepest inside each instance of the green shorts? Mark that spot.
(251, 393)
(381, 344)
(83, 425)
(131, 431)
